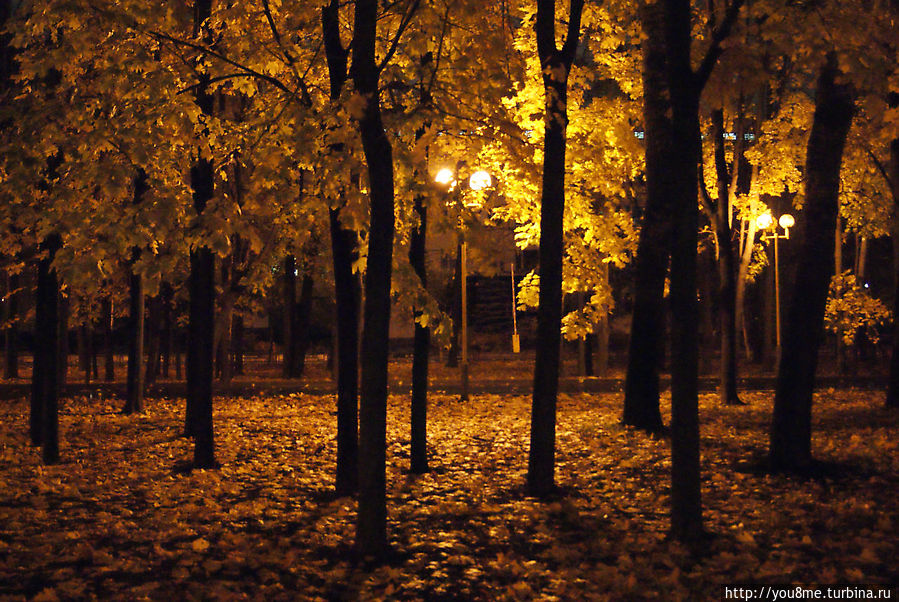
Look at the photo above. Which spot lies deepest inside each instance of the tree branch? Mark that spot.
(880, 167)
(574, 28)
(718, 36)
(394, 44)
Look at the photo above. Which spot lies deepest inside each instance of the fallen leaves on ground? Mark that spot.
(117, 520)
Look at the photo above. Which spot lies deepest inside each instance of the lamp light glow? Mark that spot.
(444, 176)
(764, 221)
(786, 221)
(480, 180)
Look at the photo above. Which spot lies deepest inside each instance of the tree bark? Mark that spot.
(371, 525)
(108, 346)
(790, 443)
(154, 339)
(421, 348)
(347, 291)
(201, 321)
(892, 400)
(641, 389)
(686, 503)
(727, 383)
(303, 319)
(134, 397)
(556, 64)
(11, 366)
(45, 372)
(346, 295)
(63, 360)
(237, 345)
(289, 304)
(167, 346)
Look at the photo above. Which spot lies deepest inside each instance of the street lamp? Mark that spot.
(479, 180)
(764, 222)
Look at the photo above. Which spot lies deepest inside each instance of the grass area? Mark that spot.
(115, 520)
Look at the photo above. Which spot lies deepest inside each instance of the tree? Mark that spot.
(790, 443)
(134, 396)
(371, 521)
(556, 64)
(418, 436)
(45, 375)
(201, 327)
(641, 393)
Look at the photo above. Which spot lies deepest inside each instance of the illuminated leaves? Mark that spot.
(117, 521)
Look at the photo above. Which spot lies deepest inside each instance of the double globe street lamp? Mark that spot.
(478, 180)
(765, 223)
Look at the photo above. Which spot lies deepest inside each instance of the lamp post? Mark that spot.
(765, 222)
(478, 180)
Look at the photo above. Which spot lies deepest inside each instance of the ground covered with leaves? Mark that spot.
(117, 520)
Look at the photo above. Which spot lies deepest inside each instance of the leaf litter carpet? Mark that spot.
(117, 520)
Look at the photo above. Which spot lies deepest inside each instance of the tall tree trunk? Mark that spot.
(727, 384)
(742, 279)
(421, 349)
(84, 352)
(63, 361)
(371, 525)
(556, 64)
(45, 374)
(108, 346)
(346, 295)
(790, 444)
(303, 312)
(11, 367)
(201, 327)
(155, 333)
(168, 327)
(455, 309)
(290, 316)
(134, 397)
(686, 503)
(641, 389)
(892, 400)
(237, 345)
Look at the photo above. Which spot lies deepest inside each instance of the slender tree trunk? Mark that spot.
(727, 384)
(371, 525)
(63, 361)
(154, 339)
(11, 367)
(346, 295)
(421, 349)
(84, 352)
(892, 400)
(289, 303)
(556, 65)
(790, 445)
(742, 278)
(237, 348)
(686, 502)
(201, 321)
(455, 309)
(303, 313)
(168, 328)
(108, 347)
(45, 376)
(641, 390)
(134, 397)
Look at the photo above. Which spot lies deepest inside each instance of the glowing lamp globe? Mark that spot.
(444, 176)
(786, 221)
(480, 180)
(764, 221)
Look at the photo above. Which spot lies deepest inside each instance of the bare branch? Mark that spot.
(394, 44)
(718, 36)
